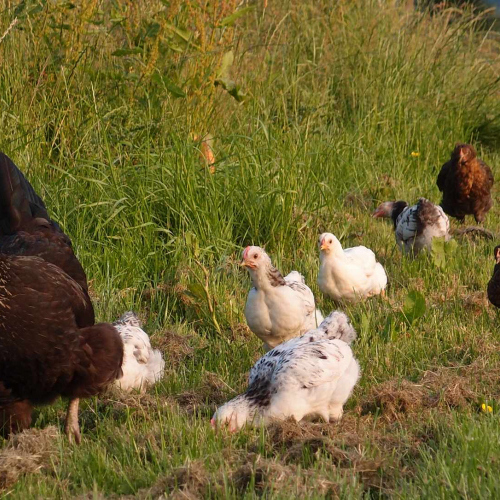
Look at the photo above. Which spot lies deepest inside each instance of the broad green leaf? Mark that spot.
(231, 88)
(169, 85)
(185, 35)
(438, 253)
(414, 306)
(229, 20)
(152, 30)
(226, 63)
(450, 247)
(365, 323)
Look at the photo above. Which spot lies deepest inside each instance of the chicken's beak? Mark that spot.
(323, 245)
(243, 263)
(378, 213)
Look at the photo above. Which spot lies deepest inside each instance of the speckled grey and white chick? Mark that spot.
(313, 374)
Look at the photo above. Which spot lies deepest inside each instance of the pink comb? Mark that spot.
(245, 252)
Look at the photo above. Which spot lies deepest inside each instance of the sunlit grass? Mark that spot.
(337, 100)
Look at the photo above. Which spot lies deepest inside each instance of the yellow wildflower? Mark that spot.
(415, 154)
(486, 408)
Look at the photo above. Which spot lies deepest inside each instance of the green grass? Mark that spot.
(336, 102)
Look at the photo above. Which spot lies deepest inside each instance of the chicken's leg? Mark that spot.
(72, 428)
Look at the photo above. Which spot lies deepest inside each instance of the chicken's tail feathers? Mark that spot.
(295, 277)
(156, 366)
(138, 376)
(338, 326)
(19, 202)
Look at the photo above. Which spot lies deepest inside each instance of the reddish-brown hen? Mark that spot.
(466, 182)
(49, 344)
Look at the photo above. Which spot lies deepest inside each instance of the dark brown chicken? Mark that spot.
(494, 283)
(465, 182)
(49, 344)
(27, 229)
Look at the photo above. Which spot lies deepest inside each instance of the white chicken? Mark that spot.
(313, 374)
(415, 226)
(351, 274)
(277, 308)
(142, 365)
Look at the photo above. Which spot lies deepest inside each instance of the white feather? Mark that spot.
(407, 236)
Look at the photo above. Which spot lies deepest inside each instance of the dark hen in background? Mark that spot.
(49, 344)
(465, 182)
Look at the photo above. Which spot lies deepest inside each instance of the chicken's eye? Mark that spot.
(330, 241)
(256, 255)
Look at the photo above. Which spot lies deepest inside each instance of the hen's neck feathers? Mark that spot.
(397, 208)
(267, 277)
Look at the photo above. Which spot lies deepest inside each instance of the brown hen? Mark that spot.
(49, 344)
(465, 182)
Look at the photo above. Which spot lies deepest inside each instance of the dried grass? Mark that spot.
(212, 392)
(447, 387)
(27, 453)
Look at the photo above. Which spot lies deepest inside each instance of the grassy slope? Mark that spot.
(336, 102)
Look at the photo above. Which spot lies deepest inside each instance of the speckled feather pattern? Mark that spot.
(416, 226)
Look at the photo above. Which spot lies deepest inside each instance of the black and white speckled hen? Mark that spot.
(27, 229)
(49, 344)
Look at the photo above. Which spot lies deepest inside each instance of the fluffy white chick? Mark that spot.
(351, 274)
(142, 365)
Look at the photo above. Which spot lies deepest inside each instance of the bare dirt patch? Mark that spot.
(211, 393)
(447, 387)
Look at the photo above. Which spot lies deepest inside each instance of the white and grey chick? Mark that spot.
(416, 226)
(311, 375)
(142, 365)
(349, 274)
(278, 308)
